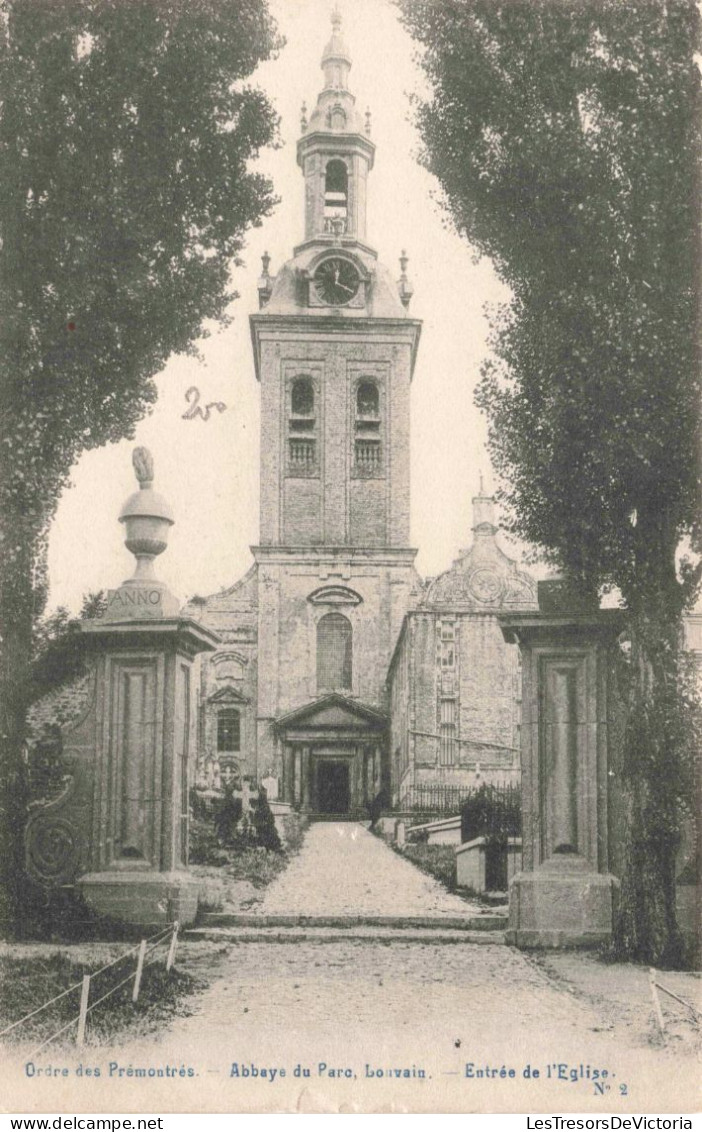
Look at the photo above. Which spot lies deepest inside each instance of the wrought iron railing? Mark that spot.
(490, 805)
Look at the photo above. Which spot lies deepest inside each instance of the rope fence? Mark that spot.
(655, 986)
(167, 935)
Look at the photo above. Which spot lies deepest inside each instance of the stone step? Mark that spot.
(343, 935)
(481, 922)
(356, 816)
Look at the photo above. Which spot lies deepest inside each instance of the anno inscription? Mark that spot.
(134, 597)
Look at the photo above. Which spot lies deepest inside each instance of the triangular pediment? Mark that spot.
(333, 712)
(227, 695)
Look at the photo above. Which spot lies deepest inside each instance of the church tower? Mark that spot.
(334, 349)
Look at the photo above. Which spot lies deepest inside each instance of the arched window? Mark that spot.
(367, 399)
(302, 398)
(334, 652)
(229, 730)
(302, 447)
(367, 446)
(336, 190)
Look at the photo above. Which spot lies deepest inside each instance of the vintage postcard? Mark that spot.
(325, 805)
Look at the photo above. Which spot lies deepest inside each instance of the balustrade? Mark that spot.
(302, 454)
(368, 456)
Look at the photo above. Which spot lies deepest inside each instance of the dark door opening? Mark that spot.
(333, 793)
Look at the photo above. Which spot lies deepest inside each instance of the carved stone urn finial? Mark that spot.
(147, 519)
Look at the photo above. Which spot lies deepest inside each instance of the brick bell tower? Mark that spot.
(334, 351)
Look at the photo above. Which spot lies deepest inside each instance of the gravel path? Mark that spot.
(458, 1013)
(342, 869)
(466, 1025)
(380, 1024)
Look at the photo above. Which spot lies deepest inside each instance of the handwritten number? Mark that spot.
(623, 1089)
(192, 396)
(194, 409)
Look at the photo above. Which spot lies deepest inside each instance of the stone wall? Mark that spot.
(63, 706)
(484, 687)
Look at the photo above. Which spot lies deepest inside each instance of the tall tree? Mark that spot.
(126, 132)
(565, 136)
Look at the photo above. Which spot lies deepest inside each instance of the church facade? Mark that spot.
(299, 694)
(454, 686)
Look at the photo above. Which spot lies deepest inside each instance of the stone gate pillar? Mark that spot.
(564, 895)
(119, 831)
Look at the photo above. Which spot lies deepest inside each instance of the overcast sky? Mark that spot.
(209, 470)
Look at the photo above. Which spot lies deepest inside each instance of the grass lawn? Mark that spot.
(31, 975)
(235, 878)
(437, 860)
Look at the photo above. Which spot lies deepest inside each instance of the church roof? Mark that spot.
(336, 64)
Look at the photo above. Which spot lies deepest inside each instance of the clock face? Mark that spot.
(336, 281)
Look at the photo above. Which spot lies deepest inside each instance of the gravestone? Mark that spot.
(564, 896)
(119, 830)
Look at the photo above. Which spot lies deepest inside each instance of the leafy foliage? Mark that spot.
(264, 823)
(205, 847)
(227, 815)
(58, 656)
(126, 133)
(226, 826)
(125, 139)
(494, 812)
(566, 138)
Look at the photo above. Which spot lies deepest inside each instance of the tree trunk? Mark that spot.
(657, 760)
(17, 602)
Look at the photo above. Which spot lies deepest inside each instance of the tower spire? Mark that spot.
(336, 60)
(335, 150)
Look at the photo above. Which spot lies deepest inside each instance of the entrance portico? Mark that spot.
(333, 755)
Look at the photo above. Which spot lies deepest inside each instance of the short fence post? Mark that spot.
(656, 1000)
(84, 996)
(139, 970)
(172, 949)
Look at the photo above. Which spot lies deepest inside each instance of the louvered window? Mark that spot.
(302, 429)
(334, 652)
(368, 456)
